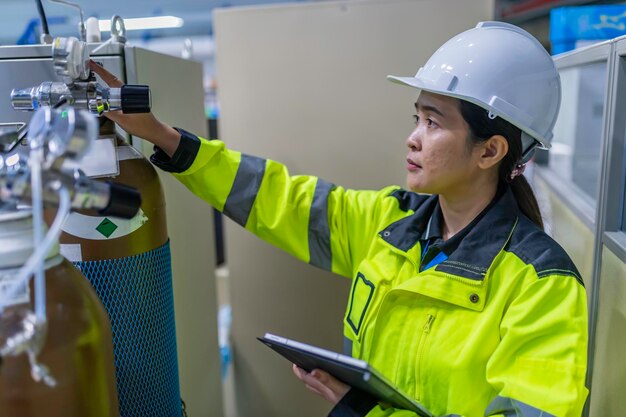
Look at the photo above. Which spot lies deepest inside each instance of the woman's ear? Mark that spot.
(492, 151)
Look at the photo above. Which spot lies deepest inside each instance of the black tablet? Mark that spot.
(351, 371)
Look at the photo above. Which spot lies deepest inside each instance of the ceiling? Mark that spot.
(17, 15)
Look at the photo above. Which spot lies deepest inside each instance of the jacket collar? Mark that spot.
(477, 250)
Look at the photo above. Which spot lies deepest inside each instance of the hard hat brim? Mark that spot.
(410, 81)
(423, 85)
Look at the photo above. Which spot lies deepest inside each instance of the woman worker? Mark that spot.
(458, 296)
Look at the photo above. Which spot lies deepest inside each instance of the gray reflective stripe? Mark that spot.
(513, 408)
(245, 188)
(319, 233)
(347, 346)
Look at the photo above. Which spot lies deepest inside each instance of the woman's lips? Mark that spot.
(412, 166)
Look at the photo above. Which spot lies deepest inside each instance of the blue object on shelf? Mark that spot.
(224, 321)
(572, 27)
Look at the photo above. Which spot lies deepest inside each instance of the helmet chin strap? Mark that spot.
(529, 144)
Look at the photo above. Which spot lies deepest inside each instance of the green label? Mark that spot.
(106, 227)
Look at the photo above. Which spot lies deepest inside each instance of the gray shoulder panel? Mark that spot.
(409, 200)
(535, 247)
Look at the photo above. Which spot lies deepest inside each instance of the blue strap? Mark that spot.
(436, 260)
(439, 258)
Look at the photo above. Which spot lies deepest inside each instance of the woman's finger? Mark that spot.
(313, 389)
(310, 381)
(107, 77)
(317, 386)
(299, 372)
(322, 383)
(334, 388)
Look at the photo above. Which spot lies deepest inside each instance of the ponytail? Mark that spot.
(526, 199)
(482, 128)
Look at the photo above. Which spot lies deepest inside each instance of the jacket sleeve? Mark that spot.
(538, 368)
(304, 215)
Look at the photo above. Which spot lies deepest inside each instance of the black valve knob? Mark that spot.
(124, 202)
(135, 99)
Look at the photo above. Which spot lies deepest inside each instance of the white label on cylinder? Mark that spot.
(102, 228)
(99, 161)
(71, 252)
(7, 283)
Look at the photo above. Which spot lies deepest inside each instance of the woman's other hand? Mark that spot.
(323, 384)
(143, 125)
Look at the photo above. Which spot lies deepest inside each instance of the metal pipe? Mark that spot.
(40, 253)
(42, 17)
(36, 160)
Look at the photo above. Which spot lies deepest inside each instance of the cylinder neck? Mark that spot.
(16, 239)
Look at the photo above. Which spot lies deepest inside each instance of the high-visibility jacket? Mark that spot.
(499, 328)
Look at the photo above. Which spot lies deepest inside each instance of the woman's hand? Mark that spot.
(323, 384)
(144, 125)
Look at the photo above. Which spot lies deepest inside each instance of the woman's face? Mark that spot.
(439, 159)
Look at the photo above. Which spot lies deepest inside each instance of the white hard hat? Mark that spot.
(501, 68)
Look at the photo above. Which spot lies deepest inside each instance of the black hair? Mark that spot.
(482, 127)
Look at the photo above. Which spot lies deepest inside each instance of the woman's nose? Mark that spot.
(414, 139)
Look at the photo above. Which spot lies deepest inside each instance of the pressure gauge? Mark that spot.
(65, 133)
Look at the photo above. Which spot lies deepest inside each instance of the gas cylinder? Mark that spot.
(77, 348)
(128, 263)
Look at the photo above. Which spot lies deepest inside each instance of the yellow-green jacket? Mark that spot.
(497, 329)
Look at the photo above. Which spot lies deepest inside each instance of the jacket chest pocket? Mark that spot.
(375, 276)
(360, 299)
(368, 289)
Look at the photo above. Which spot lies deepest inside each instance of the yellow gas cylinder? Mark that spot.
(128, 263)
(77, 348)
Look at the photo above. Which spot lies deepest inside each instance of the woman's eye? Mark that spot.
(429, 122)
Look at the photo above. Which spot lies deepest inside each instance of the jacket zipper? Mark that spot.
(425, 331)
